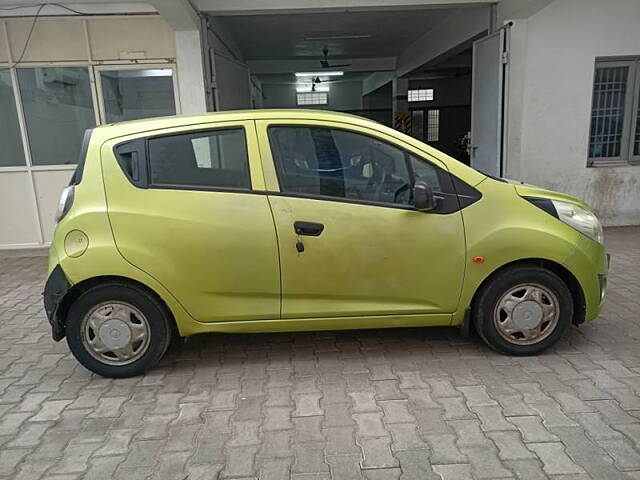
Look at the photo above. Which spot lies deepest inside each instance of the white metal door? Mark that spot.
(232, 83)
(487, 102)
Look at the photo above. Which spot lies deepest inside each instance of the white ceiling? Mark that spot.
(359, 34)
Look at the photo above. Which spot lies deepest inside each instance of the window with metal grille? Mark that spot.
(420, 95)
(312, 98)
(614, 137)
(433, 125)
(417, 124)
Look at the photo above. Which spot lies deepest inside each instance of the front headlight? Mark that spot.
(579, 218)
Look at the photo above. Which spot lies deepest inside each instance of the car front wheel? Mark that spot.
(523, 310)
(117, 330)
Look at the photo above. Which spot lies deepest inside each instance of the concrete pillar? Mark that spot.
(191, 85)
(187, 25)
(400, 105)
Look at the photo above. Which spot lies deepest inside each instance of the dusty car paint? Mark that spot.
(227, 261)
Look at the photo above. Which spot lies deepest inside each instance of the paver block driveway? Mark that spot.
(380, 404)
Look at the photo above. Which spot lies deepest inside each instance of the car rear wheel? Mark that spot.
(118, 330)
(523, 310)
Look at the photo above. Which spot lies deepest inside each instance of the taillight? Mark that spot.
(66, 200)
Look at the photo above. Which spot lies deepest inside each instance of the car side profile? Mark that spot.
(290, 220)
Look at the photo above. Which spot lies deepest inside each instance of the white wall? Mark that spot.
(550, 98)
(33, 193)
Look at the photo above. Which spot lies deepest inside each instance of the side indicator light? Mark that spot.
(477, 259)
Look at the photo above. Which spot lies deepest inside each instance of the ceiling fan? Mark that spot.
(324, 63)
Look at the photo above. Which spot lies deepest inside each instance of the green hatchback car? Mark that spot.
(289, 220)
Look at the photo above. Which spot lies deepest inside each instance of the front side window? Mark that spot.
(342, 164)
(211, 159)
(615, 126)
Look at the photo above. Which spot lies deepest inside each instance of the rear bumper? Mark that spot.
(55, 290)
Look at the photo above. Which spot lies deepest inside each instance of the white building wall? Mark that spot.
(551, 83)
(114, 42)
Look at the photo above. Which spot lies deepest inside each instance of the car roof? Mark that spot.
(134, 127)
(146, 124)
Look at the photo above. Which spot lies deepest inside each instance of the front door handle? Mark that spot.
(310, 229)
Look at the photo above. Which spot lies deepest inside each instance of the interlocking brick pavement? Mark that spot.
(379, 404)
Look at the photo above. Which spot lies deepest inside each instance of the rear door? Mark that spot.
(185, 206)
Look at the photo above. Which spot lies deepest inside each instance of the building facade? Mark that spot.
(567, 73)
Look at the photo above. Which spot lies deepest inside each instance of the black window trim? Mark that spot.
(463, 199)
(76, 178)
(328, 198)
(148, 184)
(407, 155)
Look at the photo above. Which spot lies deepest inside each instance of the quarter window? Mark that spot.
(338, 163)
(214, 159)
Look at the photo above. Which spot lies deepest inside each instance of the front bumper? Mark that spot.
(602, 280)
(55, 290)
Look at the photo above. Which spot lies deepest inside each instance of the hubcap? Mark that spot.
(526, 314)
(115, 333)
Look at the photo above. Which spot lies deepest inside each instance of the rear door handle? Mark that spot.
(310, 229)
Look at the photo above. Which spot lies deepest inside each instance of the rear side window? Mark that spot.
(211, 159)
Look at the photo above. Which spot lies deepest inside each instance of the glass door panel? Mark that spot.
(58, 108)
(11, 152)
(129, 94)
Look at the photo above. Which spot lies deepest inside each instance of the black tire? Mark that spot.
(485, 306)
(160, 327)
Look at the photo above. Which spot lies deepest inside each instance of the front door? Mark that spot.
(350, 242)
(195, 219)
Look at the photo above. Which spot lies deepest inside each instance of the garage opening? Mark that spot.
(411, 69)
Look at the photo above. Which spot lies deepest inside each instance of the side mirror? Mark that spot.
(423, 197)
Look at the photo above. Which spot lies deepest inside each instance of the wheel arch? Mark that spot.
(79, 288)
(577, 294)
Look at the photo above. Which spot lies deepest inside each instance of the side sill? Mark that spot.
(319, 324)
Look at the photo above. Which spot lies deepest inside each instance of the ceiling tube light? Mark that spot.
(310, 89)
(340, 37)
(319, 74)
